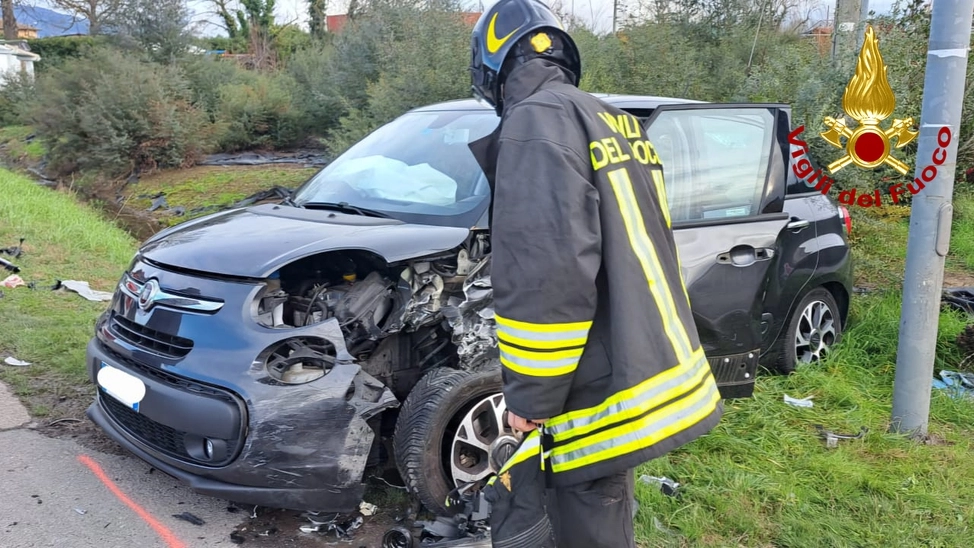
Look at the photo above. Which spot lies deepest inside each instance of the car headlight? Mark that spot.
(298, 360)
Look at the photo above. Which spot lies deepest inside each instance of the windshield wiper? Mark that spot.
(344, 207)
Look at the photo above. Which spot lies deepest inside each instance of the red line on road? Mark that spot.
(171, 540)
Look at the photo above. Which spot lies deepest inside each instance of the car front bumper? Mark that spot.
(294, 447)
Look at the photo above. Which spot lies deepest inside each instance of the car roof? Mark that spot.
(617, 100)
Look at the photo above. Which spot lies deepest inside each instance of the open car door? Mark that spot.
(725, 168)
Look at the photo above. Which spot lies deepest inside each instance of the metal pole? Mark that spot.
(845, 32)
(930, 218)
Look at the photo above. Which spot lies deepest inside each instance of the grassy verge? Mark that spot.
(763, 477)
(13, 142)
(202, 187)
(64, 241)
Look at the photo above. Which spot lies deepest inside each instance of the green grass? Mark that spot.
(211, 186)
(12, 139)
(64, 241)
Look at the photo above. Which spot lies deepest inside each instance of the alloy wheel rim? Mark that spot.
(479, 436)
(816, 333)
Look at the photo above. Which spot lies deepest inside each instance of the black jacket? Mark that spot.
(593, 319)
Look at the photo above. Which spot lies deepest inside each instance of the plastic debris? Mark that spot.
(80, 511)
(14, 251)
(956, 383)
(15, 362)
(666, 485)
(342, 525)
(832, 438)
(186, 516)
(158, 202)
(794, 402)
(13, 281)
(237, 538)
(367, 509)
(83, 289)
(961, 298)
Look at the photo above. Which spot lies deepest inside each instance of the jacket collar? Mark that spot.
(531, 77)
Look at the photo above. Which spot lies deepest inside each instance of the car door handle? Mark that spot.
(797, 224)
(744, 255)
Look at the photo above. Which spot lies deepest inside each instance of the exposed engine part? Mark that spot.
(471, 317)
(300, 360)
(427, 288)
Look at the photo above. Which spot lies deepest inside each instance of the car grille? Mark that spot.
(149, 339)
(158, 436)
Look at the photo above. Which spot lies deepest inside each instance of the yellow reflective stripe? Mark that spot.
(540, 364)
(581, 416)
(643, 397)
(553, 344)
(543, 327)
(661, 195)
(649, 430)
(646, 253)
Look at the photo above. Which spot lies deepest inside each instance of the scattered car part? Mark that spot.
(960, 298)
(397, 537)
(14, 251)
(959, 384)
(12, 281)
(186, 516)
(666, 485)
(832, 438)
(7, 265)
(803, 402)
(10, 360)
(83, 289)
(159, 202)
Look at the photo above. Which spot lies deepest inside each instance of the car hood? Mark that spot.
(256, 241)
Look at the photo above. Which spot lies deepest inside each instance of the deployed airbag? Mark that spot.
(387, 178)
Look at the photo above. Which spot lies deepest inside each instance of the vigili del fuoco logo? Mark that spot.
(869, 101)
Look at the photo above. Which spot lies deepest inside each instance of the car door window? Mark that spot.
(715, 161)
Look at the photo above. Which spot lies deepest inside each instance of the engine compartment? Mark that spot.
(414, 315)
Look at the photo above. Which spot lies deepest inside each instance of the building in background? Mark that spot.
(15, 56)
(24, 32)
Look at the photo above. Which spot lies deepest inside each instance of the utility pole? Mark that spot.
(847, 31)
(931, 214)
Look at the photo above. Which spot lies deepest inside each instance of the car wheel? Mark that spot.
(814, 328)
(450, 432)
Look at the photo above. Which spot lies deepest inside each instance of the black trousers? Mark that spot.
(595, 514)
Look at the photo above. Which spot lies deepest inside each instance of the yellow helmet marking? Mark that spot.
(493, 42)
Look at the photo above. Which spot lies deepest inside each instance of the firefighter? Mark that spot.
(601, 362)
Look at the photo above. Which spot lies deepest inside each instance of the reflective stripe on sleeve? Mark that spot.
(632, 402)
(635, 435)
(540, 364)
(542, 336)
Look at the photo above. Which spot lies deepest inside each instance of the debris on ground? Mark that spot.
(961, 298)
(13, 281)
(666, 485)
(15, 362)
(237, 538)
(83, 289)
(965, 340)
(7, 265)
(186, 516)
(367, 509)
(664, 529)
(14, 251)
(795, 402)
(80, 511)
(957, 383)
(832, 438)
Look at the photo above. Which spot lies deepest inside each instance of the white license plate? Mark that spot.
(126, 388)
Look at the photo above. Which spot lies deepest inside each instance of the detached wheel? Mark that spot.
(450, 432)
(813, 329)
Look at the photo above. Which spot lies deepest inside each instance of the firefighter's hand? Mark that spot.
(522, 425)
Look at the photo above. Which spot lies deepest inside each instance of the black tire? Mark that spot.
(789, 359)
(439, 400)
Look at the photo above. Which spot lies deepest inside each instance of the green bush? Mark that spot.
(112, 114)
(259, 113)
(55, 50)
(16, 96)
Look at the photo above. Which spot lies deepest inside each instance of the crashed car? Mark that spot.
(278, 354)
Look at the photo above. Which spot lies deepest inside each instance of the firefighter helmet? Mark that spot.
(511, 31)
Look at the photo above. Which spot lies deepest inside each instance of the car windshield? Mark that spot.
(417, 168)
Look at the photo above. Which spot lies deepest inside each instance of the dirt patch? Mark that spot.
(958, 279)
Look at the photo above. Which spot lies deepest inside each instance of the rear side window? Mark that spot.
(715, 161)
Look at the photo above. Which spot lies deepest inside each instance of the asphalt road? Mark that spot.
(56, 493)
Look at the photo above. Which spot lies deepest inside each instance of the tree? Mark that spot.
(95, 11)
(9, 20)
(160, 27)
(258, 19)
(316, 11)
(228, 16)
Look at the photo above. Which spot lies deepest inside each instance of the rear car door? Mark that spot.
(725, 169)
